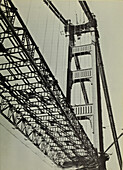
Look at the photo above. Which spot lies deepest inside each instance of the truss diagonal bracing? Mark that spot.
(32, 100)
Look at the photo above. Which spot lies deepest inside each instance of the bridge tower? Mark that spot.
(85, 67)
(83, 82)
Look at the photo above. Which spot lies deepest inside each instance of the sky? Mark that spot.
(17, 152)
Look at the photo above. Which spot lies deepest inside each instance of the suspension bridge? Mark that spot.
(66, 128)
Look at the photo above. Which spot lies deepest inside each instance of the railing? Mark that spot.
(81, 49)
(83, 110)
(81, 74)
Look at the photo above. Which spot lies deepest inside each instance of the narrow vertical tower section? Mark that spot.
(83, 82)
(82, 90)
(95, 92)
(69, 73)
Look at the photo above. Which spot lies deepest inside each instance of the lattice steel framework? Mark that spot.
(32, 100)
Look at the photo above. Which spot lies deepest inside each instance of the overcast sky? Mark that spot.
(18, 153)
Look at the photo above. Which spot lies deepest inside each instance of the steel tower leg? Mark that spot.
(108, 103)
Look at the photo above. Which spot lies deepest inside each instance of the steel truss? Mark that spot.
(32, 100)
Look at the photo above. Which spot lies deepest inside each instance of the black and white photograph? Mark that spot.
(61, 84)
